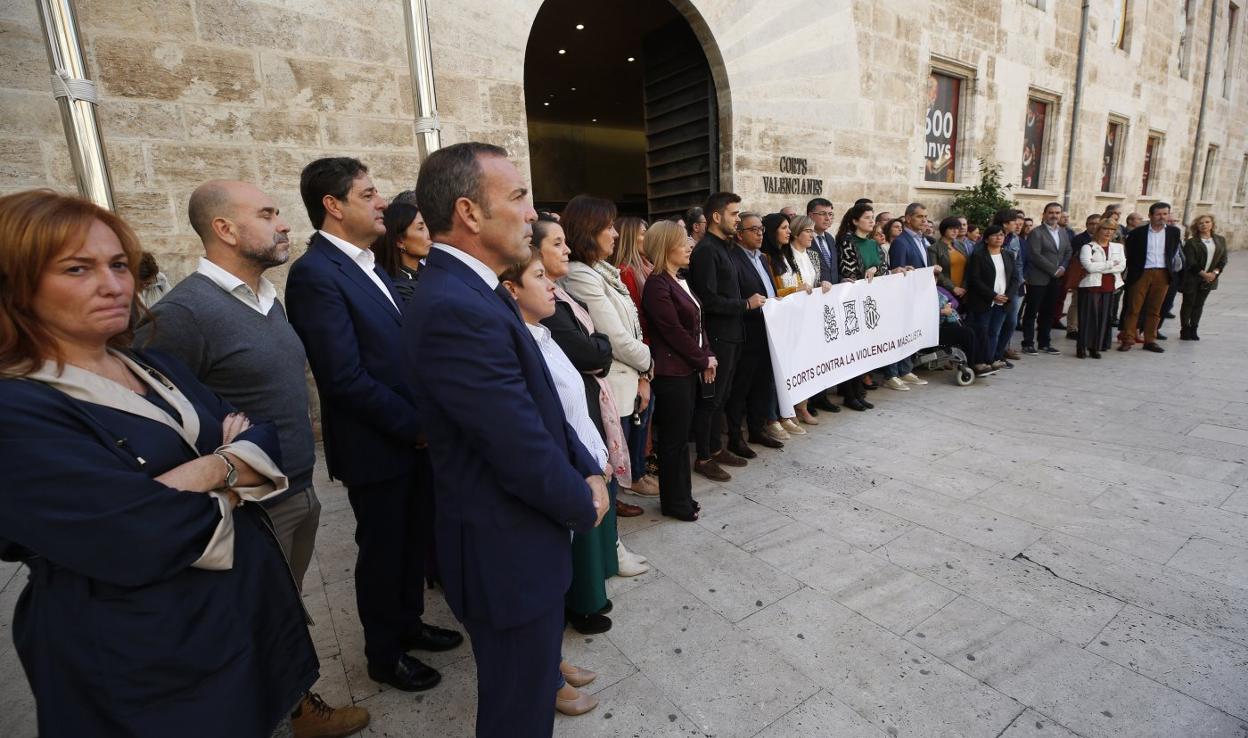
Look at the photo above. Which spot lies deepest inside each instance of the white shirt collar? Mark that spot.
(539, 331)
(486, 274)
(353, 252)
(262, 302)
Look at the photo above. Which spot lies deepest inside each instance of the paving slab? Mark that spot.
(721, 677)
(1221, 524)
(1221, 562)
(1212, 670)
(1217, 608)
(865, 583)
(825, 715)
(1090, 695)
(1017, 587)
(848, 519)
(634, 706)
(715, 571)
(1032, 724)
(896, 685)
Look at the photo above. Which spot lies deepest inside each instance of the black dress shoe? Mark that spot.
(1154, 348)
(1094, 354)
(430, 638)
(833, 408)
(855, 404)
(1168, 316)
(1072, 335)
(762, 439)
(1160, 337)
(1195, 335)
(739, 448)
(866, 404)
(407, 674)
(820, 402)
(588, 624)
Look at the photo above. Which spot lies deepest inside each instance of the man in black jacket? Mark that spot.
(713, 279)
(1151, 255)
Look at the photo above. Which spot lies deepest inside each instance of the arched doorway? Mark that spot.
(622, 104)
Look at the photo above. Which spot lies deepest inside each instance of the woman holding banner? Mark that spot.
(806, 265)
(776, 237)
(859, 257)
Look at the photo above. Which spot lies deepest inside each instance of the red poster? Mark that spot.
(1033, 142)
(943, 97)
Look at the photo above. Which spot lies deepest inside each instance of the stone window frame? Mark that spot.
(1241, 188)
(1041, 5)
(1125, 8)
(1049, 157)
(1185, 38)
(938, 64)
(1209, 175)
(1233, 21)
(1153, 161)
(1115, 176)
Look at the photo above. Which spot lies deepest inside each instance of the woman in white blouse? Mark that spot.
(1104, 262)
(535, 295)
(806, 265)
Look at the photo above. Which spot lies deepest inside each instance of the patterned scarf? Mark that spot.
(617, 447)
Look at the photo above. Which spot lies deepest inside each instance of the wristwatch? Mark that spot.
(231, 471)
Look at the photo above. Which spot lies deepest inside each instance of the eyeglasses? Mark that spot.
(823, 213)
(753, 229)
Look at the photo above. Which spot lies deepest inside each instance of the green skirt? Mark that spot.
(593, 562)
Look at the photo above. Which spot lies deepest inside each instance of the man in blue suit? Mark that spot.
(344, 309)
(910, 248)
(512, 480)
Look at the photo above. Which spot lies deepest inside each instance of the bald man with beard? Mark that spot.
(226, 323)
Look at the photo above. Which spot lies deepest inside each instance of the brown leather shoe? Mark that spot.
(647, 486)
(315, 719)
(625, 510)
(711, 470)
(1012, 355)
(724, 457)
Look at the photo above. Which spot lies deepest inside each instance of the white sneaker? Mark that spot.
(897, 384)
(636, 556)
(777, 431)
(628, 564)
(912, 379)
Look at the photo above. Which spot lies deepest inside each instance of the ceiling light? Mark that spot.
(632, 58)
(546, 104)
(563, 51)
(580, 26)
(595, 120)
(574, 89)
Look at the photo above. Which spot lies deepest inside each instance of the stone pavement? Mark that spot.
(1058, 551)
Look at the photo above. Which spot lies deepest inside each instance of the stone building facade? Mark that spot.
(193, 89)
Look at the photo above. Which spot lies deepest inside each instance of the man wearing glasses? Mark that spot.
(820, 211)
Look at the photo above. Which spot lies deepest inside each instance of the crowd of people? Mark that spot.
(491, 381)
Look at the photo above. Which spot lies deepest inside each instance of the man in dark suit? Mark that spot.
(749, 399)
(1152, 253)
(713, 278)
(910, 248)
(345, 311)
(511, 479)
(1048, 252)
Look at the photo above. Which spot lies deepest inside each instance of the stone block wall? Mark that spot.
(196, 89)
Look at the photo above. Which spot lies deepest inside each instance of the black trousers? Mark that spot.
(1095, 332)
(1193, 307)
(674, 401)
(390, 566)
(706, 414)
(1038, 312)
(749, 400)
(518, 675)
(852, 389)
(1167, 305)
(964, 337)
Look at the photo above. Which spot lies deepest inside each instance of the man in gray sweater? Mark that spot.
(226, 323)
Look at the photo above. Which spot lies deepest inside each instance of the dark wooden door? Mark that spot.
(681, 121)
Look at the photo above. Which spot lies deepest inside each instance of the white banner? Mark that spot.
(822, 339)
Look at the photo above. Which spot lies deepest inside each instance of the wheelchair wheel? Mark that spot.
(965, 376)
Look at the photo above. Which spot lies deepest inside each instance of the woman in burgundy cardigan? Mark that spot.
(682, 360)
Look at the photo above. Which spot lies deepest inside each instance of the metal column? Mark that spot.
(420, 62)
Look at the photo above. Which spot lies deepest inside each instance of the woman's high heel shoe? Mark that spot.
(576, 676)
(579, 706)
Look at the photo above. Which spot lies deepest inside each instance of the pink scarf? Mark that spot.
(617, 448)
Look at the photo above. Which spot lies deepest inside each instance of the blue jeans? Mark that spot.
(896, 370)
(635, 437)
(1007, 329)
(988, 326)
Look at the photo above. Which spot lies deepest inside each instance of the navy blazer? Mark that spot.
(1136, 249)
(904, 251)
(676, 323)
(751, 283)
(827, 267)
(351, 333)
(509, 472)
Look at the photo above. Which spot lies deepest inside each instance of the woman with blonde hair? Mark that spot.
(1103, 261)
(683, 359)
(1204, 259)
(630, 259)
